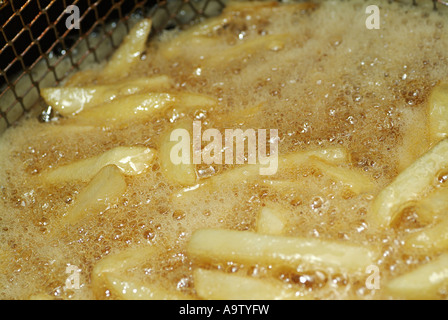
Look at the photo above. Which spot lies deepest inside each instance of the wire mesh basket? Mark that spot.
(38, 49)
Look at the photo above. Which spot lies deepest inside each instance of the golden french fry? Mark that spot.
(334, 155)
(127, 288)
(423, 282)
(129, 51)
(122, 60)
(355, 180)
(433, 206)
(271, 220)
(217, 285)
(110, 274)
(438, 112)
(273, 42)
(205, 34)
(414, 144)
(183, 173)
(69, 101)
(240, 117)
(249, 172)
(130, 160)
(123, 260)
(199, 35)
(282, 186)
(409, 185)
(83, 77)
(431, 239)
(103, 191)
(208, 27)
(142, 107)
(183, 45)
(220, 246)
(119, 263)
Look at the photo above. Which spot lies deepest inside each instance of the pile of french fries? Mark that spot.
(115, 103)
(419, 186)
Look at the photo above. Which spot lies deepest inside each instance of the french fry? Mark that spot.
(249, 172)
(272, 42)
(431, 239)
(129, 51)
(210, 26)
(202, 34)
(183, 45)
(217, 285)
(220, 246)
(119, 263)
(438, 112)
(409, 185)
(69, 101)
(334, 155)
(142, 107)
(240, 117)
(126, 288)
(199, 35)
(110, 274)
(206, 28)
(271, 220)
(356, 181)
(103, 190)
(282, 186)
(121, 62)
(205, 33)
(83, 77)
(131, 161)
(433, 206)
(421, 283)
(123, 260)
(183, 174)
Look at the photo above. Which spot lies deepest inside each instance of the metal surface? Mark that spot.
(37, 48)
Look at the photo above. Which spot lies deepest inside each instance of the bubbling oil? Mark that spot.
(332, 83)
